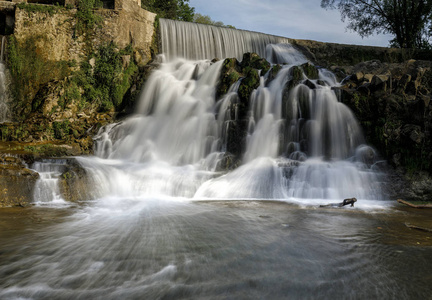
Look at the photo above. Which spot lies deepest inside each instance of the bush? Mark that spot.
(106, 83)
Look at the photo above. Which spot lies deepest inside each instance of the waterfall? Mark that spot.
(301, 143)
(47, 189)
(4, 85)
(198, 41)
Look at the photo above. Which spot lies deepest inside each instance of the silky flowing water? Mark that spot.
(119, 248)
(166, 221)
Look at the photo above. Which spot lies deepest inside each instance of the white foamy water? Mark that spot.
(300, 146)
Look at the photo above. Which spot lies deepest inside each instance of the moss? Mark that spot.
(229, 75)
(37, 8)
(47, 150)
(310, 70)
(253, 60)
(61, 129)
(248, 84)
(104, 85)
(30, 70)
(123, 83)
(86, 18)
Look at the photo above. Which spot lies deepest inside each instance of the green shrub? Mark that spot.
(86, 18)
(106, 83)
(61, 129)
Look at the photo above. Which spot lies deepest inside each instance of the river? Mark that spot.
(178, 249)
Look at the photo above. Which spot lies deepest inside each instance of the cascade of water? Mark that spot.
(301, 141)
(47, 189)
(198, 41)
(4, 85)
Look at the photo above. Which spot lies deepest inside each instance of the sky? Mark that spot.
(296, 19)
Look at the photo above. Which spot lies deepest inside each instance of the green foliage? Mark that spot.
(86, 18)
(184, 11)
(32, 8)
(48, 150)
(170, 9)
(104, 84)
(61, 129)
(407, 20)
(204, 19)
(29, 71)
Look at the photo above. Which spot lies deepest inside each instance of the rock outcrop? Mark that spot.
(16, 182)
(392, 103)
(76, 184)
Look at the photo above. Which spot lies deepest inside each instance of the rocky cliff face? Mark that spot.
(57, 39)
(392, 103)
(16, 181)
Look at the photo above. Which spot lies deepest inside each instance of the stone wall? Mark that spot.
(57, 39)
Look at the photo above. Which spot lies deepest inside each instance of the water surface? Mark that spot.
(173, 249)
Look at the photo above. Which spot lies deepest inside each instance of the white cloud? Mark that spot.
(299, 19)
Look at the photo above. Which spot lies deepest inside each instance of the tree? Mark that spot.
(171, 9)
(407, 20)
(204, 19)
(184, 11)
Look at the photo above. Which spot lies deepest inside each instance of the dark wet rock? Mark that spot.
(309, 84)
(393, 106)
(76, 184)
(273, 73)
(253, 60)
(16, 182)
(249, 83)
(228, 162)
(230, 74)
(310, 70)
(236, 137)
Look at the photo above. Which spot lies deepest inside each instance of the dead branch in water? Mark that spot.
(418, 227)
(414, 205)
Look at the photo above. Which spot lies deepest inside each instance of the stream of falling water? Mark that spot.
(175, 142)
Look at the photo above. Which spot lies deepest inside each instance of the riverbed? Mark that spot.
(178, 249)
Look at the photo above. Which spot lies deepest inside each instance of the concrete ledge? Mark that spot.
(7, 6)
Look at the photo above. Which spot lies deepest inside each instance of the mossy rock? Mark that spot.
(248, 84)
(273, 73)
(16, 184)
(236, 141)
(230, 74)
(228, 162)
(253, 60)
(310, 70)
(76, 184)
(296, 76)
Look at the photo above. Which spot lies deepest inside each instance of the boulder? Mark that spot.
(76, 184)
(16, 182)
